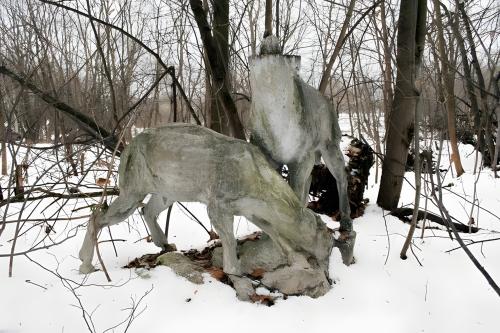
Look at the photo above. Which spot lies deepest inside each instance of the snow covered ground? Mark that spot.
(380, 293)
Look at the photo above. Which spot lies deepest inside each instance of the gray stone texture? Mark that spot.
(182, 266)
(182, 162)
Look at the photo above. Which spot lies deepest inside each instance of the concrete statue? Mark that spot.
(294, 124)
(182, 162)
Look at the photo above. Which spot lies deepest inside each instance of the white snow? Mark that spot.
(379, 293)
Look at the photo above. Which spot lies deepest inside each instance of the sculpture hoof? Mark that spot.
(87, 269)
(168, 247)
(345, 243)
(244, 288)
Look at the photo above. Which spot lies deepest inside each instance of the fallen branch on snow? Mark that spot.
(404, 214)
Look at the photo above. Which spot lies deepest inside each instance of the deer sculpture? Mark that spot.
(294, 124)
(182, 162)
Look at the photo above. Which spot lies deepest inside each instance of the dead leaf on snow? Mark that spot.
(262, 299)
(217, 273)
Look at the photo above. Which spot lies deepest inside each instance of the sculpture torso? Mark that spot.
(174, 154)
(293, 123)
(282, 107)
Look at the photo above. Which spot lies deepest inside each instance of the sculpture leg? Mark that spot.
(335, 163)
(223, 223)
(300, 176)
(87, 250)
(118, 211)
(153, 208)
(222, 220)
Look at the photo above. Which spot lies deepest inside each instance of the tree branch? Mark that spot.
(86, 123)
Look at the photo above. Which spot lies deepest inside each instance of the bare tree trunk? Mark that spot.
(218, 69)
(3, 135)
(388, 92)
(471, 92)
(268, 18)
(485, 114)
(277, 19)
(68, 147)
(416, 203)
(19, 188)
(4, 158)
(219, 120)
(449, 90)
(411, 33)
(497, 108)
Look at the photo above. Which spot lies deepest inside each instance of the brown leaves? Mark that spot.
(101, 182)
(212, 236)
(147, 261)
(258, 273)
(262, 299)
(252, 237)
(217, 273)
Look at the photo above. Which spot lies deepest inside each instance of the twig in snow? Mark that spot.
(472, 243)
(35, 284)
(388, 239)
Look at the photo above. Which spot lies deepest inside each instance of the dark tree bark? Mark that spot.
(268, 20)
(218, 66)
(404, 215)
(219, 119)
(471, 92)
(388, 92)
(410, 44)
(3, 136)
(448, 80)
(485, 112)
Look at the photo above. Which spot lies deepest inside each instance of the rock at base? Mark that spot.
(296, 280)
(182, 266)
(255, 254)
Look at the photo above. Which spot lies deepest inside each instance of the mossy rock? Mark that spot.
(182, 266)
(255, 254)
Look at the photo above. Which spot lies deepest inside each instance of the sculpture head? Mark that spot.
(270, 45)
(315, 230)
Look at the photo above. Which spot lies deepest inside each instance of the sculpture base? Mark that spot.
(263, 260)
(345, 241)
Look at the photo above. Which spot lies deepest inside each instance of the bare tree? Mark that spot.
(410, 45)
(216, 54)
(449, 88)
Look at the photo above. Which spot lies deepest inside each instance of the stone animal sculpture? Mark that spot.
(293, 123)
(182, 162)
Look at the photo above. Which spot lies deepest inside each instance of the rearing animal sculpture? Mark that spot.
(182, 162)
(293, 123)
